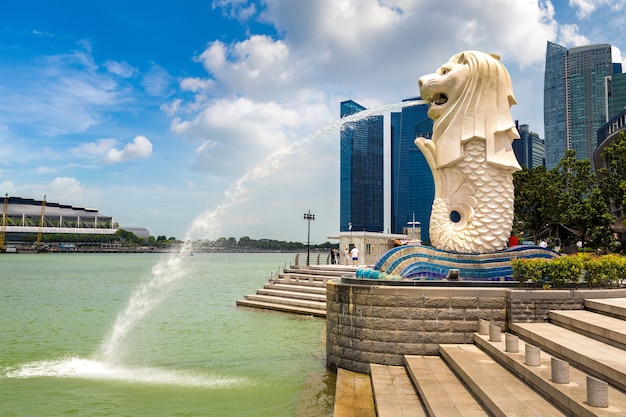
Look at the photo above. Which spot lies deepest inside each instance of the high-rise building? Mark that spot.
(616, 93)
(412, 185)
(361, 169)
(529, 149)
(574, 99)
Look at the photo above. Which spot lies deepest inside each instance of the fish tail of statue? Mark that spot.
(475, 214)
(470, 154)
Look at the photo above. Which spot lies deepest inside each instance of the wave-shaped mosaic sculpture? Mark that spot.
(418, 262)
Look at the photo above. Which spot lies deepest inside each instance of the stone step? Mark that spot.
(599, 359)
(302, 281)
(615, 307)
(282, 307)
(442, 393)
(296, 288)
(316, 305)
(292, 294)
(499, 391)
(394, 394)
(571, 396)
(353, 395)
(598, 326)
(328, 270)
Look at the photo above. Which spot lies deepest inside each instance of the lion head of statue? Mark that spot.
(471, 96)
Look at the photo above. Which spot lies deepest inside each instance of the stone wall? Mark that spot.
(532, 306)
(379, 324)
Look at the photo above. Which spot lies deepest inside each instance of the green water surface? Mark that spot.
(194, 354)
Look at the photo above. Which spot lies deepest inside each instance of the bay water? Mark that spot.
(195, 354)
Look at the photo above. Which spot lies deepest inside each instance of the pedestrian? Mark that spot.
(355, 256)
(346, 256)
(332, 256)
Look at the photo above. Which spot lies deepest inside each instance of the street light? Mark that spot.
(308, 217)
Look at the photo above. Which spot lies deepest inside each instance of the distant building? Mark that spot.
(361, 171)
(574, 99)
(23, 217)
(412, 185)
(529, 149)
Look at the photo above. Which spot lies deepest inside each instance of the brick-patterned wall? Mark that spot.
(379, 324)
(532, 306)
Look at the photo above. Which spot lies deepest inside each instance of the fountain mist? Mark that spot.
(172, 269)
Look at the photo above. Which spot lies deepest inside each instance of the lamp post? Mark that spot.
(308, 217)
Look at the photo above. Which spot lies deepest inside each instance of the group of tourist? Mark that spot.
(348, 255)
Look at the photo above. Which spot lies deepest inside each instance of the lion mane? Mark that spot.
(482, 110)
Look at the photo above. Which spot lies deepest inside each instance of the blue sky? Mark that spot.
(194, 118)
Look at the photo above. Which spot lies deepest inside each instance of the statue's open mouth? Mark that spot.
(440, 99)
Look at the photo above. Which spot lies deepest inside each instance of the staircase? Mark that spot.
(300, 290)
(491, 377)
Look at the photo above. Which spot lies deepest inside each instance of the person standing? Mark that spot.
(355, 256)
(346, 256)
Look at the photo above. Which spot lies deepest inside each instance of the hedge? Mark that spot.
(572, 269)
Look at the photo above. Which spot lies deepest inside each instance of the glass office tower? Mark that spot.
(529, 149)
(361, 169)
(574, 99)
(616, 93)
(412, 185)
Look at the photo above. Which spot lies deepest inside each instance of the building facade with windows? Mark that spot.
(529, 149)
(616, 93)
(412, 185)
(574, 99)
(361, 172)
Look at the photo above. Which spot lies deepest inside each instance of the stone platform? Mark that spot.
(493, 376)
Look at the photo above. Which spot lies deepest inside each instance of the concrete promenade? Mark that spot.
(509, 364)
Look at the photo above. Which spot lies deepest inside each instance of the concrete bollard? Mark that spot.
(511, 343)
(560, 371)
(483, 326)
(494, 333)
(532, 355)
(597, 392)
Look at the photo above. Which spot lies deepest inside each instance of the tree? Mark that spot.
(535, 200)
(612, 178)
(580, 205)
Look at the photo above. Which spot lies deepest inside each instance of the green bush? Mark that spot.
(574, 269)
(529, 269)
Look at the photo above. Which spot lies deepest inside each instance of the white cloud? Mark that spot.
(59, 94)
(94, 150)
(66, 186)
(47, 170)
(140, 147)
(569, 35)
(584, 8)
(156, 81)
(616, 54)
(121, 69)
(195, 84)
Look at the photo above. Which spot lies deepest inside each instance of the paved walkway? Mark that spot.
(353, 395)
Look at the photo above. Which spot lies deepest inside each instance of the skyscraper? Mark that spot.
(616, 93)
(361, 169)
(529, 149)
(574, 99)
(412, 185)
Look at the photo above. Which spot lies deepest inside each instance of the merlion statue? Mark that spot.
(470, 153)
